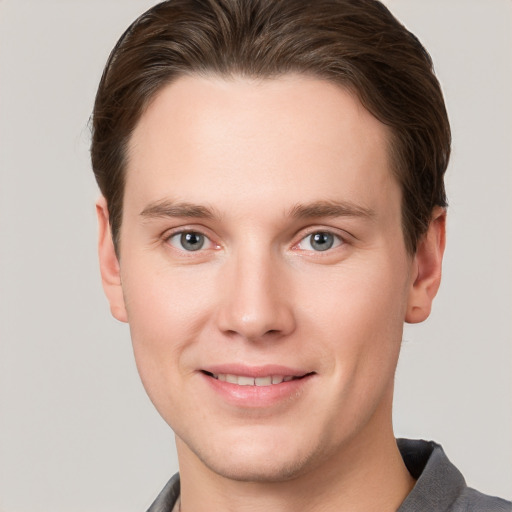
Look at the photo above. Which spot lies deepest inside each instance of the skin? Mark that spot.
(257, 168)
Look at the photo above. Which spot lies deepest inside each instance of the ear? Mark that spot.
(427, 266)
(109, 264)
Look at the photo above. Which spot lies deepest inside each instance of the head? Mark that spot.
(272, 214)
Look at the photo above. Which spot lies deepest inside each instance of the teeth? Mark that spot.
(245, 381)
(263, 381)
(232, 379)
(242, 380)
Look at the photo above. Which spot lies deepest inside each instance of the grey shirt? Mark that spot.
(440, 487)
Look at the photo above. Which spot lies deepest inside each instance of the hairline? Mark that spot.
(392, 142)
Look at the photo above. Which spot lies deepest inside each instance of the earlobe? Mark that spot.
(109, 263)
(427, 269)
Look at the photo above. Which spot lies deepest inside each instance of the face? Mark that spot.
(263, 270)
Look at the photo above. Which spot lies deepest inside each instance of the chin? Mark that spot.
(257, 460)
(250, 470)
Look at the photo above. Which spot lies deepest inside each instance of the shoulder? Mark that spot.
(166, 500)
(471, 500)
(440, 486)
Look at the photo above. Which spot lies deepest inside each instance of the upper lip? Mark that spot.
(255, 371)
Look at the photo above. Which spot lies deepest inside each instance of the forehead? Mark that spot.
(206, 137)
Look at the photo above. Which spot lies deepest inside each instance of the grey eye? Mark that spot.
(321, 241)
(192, 241)
(189, 241)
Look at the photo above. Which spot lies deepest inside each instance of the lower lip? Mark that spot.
(258, 396)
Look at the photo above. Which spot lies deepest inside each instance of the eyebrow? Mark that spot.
(167, 208)
(331, 209)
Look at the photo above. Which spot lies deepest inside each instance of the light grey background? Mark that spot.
(76, 430)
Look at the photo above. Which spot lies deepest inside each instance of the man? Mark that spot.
(273, 211)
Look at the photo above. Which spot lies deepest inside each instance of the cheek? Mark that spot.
(360, 312)
(163, 301)
(167, 310)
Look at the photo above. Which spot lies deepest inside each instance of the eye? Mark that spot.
(319, 241)
(189, 241)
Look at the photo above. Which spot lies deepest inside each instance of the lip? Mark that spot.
(256, 397)
(255, 371)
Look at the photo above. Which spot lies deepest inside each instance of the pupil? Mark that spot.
(322, 241)
(192, 241)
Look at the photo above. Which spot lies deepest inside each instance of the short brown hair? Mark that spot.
(357, 44)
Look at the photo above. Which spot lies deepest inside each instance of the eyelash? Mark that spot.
(178, 238)
(179, 235)
(337, 240)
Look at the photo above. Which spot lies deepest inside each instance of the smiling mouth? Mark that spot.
(243, 380)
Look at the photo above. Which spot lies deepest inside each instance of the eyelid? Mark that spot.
(173, 232)
(176, 244)
(340, 235)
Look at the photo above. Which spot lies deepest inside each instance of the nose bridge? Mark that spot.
(255, 301)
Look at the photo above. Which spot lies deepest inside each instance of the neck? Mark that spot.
(366, 474)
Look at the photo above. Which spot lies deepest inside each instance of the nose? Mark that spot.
(256, 302)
